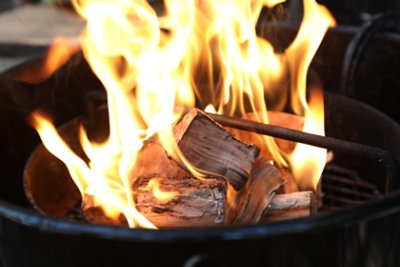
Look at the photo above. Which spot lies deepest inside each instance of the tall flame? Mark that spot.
(149, 65)
(307, 162)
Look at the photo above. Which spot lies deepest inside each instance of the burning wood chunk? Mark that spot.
(192, 202)
(210, 147)
(153, 161)
(252, 200)
(290, 206)
(184, 202)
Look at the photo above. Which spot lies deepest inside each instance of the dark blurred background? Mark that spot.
(348, 12)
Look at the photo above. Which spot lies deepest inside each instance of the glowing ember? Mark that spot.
(150, 65)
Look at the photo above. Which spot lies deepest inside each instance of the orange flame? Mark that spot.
(58, 54)
(154, 186)
(307, 162)
(149, 65)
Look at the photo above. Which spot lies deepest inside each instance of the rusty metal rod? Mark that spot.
(380, 155)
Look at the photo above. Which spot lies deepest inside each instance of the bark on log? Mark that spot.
(290, 206)
(196, 202)
(210, 147)
(252, 200)
(152, 160)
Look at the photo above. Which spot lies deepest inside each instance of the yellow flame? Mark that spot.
(91, 180)
(154, 186)
(316, 22)
(308, 162)
(58, 54)
(210, 109)
(55, 145)
(149, 65)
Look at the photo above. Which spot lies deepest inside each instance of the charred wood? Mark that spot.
(210, 147)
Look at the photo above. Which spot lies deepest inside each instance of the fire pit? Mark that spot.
(346, 236)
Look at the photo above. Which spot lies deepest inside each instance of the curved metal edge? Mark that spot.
(380, 23)
(369, 211)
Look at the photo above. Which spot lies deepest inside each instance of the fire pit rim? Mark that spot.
(368, 211)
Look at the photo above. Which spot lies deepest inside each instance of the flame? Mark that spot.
(151, 64)
(89, 179)
(154, 186)
(58, 54)
(316, 22)
(308, 162)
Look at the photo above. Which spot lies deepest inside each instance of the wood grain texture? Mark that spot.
(290, 206)
(209, 146)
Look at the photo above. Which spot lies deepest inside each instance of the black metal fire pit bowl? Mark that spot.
(363, 235)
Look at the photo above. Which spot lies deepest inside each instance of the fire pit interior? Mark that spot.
(349, 179)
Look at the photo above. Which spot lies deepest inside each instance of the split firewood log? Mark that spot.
(170, 202)
(192, 201)
(210, 147)
(153, 160)
(290, 206)
(249, 203)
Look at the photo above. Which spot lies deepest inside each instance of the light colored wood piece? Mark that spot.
(290, 206)
(252, 200)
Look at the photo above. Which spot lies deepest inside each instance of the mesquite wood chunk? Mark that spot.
(195, 203)
(153, 161)
(253, 199)
(198, 202)
(290, 206)
(210, 147)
